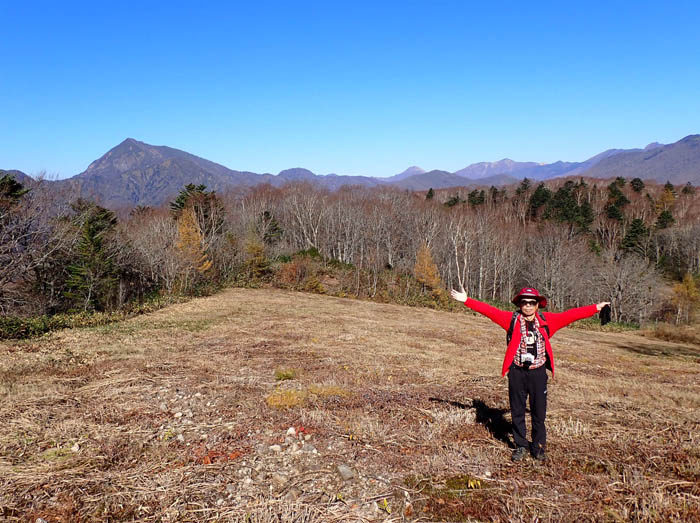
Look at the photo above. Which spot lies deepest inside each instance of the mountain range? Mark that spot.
(136, 173)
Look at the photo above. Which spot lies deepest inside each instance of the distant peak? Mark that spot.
(414, 169)
(296, 173)
(653, 145)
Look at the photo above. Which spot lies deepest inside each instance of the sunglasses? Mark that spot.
(528, 302)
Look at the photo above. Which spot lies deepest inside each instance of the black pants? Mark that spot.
(521, 384)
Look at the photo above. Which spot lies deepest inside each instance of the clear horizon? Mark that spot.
(368, 91)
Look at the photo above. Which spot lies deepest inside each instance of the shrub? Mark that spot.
(285, 399)
(285, 374)
(674, 333)
(327, 390)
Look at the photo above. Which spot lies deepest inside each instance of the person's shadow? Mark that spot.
(491, 418)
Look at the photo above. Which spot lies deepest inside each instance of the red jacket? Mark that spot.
(554, 320)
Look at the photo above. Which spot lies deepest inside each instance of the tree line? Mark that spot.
(578, 241)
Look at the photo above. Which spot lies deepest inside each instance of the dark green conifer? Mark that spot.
(92, 276)
(635, 239)
(637, 185)
(664, 220)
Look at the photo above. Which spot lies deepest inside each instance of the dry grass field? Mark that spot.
(397, 413)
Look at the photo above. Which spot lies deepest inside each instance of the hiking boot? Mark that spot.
(519, 454)
(540, 457)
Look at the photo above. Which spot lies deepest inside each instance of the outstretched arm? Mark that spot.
(558, 320)
(501, 318)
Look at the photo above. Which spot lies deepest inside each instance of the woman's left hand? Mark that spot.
(602, 304)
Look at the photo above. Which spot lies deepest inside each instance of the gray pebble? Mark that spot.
(346, 473)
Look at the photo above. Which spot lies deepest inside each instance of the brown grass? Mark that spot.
(169, 417)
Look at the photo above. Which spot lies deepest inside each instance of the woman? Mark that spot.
(528, 355)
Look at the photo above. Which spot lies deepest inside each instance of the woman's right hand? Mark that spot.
(459, 295)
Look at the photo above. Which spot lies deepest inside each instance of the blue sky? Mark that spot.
(350, 88)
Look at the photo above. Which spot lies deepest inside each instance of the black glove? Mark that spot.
(604, 315)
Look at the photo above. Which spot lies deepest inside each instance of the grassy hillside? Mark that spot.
(184, 414)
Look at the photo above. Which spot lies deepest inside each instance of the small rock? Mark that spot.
(307, 437)
(198, 395)
(231, 488)
(188, 413)
(279, 480)
(181, 438)
(275, 448)
(220, 501)
(40, 520)
(75, 448)
(346, 473)
(292, 495)
(308, 447)
(163, 407)
(487, 473)
(178, 414)
(291, 431)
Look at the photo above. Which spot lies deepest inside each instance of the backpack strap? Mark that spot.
(509, 332)
(543, 322)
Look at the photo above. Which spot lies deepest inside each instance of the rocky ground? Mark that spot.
(263, 405)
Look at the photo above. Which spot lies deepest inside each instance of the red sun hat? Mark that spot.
(529, 292)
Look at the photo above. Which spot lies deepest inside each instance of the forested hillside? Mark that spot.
(579, 241)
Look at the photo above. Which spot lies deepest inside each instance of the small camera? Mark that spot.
(527, 359)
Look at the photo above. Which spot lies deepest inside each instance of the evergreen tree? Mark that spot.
(670, 188)
(616, 202)
(664, 220)
(495, 194)
(523, 187)
(688, 189)
(620, 181)
(539, 198)
(208, 210)
(476, 198)
(270, 229)
(186, 195)
(585, 216)
(10, 191)
(563, 207)
(613, 212)
(92, 275)
(454, 200)
(430, 195)
(637, 185)
(635, 239)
